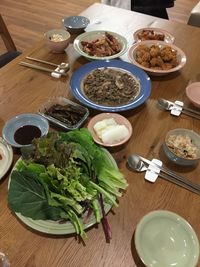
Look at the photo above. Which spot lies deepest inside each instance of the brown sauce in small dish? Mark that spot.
(25, 134)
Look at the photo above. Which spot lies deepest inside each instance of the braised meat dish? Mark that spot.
(110, 87)
(107, 45)
(150, 35)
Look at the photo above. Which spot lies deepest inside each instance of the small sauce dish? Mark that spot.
(22, 129)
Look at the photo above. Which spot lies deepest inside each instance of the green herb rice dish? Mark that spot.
(65, 176)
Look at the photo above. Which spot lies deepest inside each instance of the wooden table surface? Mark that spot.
(22, 90)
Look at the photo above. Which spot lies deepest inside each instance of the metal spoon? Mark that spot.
(168, 105)
(135, 162)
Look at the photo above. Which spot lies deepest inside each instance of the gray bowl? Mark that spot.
(173, 156)
(75, 24)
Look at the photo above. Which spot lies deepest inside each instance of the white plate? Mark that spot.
(6, 157)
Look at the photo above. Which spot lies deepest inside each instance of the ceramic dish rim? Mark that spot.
(165, 213)
(10, 159)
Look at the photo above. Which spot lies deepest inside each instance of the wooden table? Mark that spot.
(22, 90)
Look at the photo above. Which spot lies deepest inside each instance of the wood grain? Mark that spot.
(22, 90)
(28, 20)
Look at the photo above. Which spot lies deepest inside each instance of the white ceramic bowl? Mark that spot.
(20, 121)
(181, 57)
(121, 120)
(57, 45)
(193, 93)
(171, 153)
(165, 239)
(168, 38)
(94, 35)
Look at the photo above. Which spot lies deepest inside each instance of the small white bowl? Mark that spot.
(11, 127)
(181, 57)
(176, 158)
(57, 45)
(119, 120)
(193, 93)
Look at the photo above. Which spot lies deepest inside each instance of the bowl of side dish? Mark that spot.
(20, 130)
(182, 146)
(110, 129)
(100, 45)
(57, 40)
(144, 34)
(157, 57)
(63, 112)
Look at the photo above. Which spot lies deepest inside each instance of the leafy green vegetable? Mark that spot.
(62, 176)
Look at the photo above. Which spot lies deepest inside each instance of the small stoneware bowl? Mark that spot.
(75, 24)
(119, 119)
(57, 40)
(24, 127)
(193, 93)
(182, 146)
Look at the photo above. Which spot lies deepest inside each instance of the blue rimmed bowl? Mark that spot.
(19, 121)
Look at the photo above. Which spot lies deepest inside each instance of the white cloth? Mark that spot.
(126, 4)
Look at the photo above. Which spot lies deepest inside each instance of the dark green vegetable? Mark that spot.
(62, 176)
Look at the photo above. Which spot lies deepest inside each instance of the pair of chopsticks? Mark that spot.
(26, 64)
(173, 177)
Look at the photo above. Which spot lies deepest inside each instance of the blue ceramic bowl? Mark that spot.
(75, 24)
(10, 128)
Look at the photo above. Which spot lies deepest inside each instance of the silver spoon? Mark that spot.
(135, 163)
(168, 105)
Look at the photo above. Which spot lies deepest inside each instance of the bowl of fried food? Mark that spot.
(182, 146)
(157, 57)
(144, 34)
(100, 45)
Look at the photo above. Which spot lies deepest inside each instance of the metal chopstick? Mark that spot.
(172, 174)
(179, 183)
(39, 67)
(193, 114)
(43, 61)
